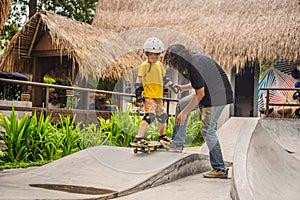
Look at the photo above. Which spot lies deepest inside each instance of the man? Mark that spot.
(212, 93)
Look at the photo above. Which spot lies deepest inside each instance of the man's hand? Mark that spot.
(175, 88)
(180, 118)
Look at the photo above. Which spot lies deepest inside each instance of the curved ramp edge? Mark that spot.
(186, 166)
(262, 168)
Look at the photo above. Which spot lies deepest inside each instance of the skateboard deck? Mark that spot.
(151, 146)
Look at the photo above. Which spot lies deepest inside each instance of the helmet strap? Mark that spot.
(150, 67)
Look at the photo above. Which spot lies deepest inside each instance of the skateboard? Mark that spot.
(151, 146)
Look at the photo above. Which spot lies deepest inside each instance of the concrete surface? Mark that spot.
(193, 187)
(196, 187)
(111, 168)
(262, 165)
(265, 165)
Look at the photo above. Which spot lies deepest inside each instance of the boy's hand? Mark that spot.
(178, 87)
(175, 88)
(138, 93)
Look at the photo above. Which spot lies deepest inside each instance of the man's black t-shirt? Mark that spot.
(206, 73)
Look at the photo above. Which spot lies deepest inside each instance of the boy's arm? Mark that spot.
(139, 89)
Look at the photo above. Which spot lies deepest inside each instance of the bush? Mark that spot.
(15, 136)
(194, 135)
(69, 134)
(92, 135)
(43, 140)
(36, 141)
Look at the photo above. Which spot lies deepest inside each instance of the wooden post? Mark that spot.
(37, 92)
(267, 103)
(47, 101)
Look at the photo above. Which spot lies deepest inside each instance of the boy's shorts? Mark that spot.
(152, 105)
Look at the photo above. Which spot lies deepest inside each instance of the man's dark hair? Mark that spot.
(178, 57)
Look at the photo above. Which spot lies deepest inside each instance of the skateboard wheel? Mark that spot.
(135, 150)
(149, 151)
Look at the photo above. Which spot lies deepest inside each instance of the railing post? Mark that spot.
(46, 101)
(267, 103)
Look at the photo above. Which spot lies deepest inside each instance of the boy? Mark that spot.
(149, 90)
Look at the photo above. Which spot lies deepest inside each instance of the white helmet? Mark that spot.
(153, 45)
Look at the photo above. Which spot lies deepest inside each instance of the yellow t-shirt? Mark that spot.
(152, 79)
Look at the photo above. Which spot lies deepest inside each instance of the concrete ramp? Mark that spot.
(266, 165)
(264, 152)
(102, 172)
(228, 134)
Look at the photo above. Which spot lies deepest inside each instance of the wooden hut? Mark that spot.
(52, 44)
(238, 34)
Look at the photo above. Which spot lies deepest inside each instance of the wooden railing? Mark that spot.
(47, 109)
(268, 104)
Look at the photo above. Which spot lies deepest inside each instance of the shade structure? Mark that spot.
(231, 32)
(97, 52)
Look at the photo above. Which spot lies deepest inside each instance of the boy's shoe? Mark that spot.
(164, 138)
(140, 141)
(216, 173)
(171, 147)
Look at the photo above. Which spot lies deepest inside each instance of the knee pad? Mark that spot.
(149, 117)
(162, 118)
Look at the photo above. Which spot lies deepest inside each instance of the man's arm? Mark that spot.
(185, 87)
(192, 104)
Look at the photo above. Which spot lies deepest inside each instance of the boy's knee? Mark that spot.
(149, 117)
(162, 118)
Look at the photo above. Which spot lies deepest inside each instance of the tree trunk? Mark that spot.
(32, 7)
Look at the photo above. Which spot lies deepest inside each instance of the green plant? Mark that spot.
(152, 131)
(16, 135)
(112, 131)
(69, 134)
(22, 164)
(194, 135)
(121, 128)
(128, 123)
(10, 91)
(43, 140)
(170, 126)
(92, 135)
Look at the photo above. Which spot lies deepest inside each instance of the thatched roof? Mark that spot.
(96, 51)
(229, 31)
(4, 11)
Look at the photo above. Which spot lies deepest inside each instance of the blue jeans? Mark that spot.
(209, 119)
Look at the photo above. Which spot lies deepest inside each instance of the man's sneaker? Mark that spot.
(216, 174)
(171, 147)
(164, 138)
